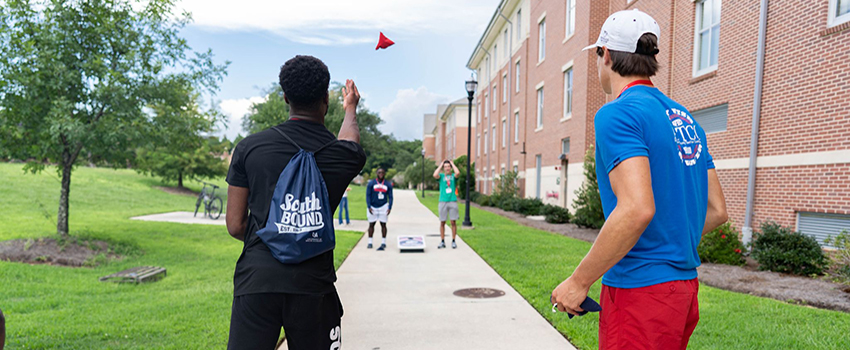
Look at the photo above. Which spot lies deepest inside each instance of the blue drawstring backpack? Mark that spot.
(299, 225)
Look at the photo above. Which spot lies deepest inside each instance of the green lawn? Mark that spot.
(534, 262)
(67, 308)
(356, 204)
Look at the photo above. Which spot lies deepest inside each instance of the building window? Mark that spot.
(487, 65)
(712, 119)
(495, 93)
(839, 12)
(707, 40)
(517, 77)
(504, 133)
(493, 134)
(516, 127)
(571, 17)
(568, 93)
(504, 88)
(541, 34)
(478, 112)
(518, 25)
(505, 44)
(565, 146)
(486, 111)
(478, 145)
(540, 108)
(486, 139)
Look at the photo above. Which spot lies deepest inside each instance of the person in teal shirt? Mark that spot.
(448, 200)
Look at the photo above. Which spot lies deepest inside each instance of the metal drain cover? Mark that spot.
(479, 293)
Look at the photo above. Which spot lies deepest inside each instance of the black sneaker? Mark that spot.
(442, 245)
(454, 245)
(382, 247)
(369, 246)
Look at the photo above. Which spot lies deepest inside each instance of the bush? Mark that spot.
(588, 203)
(779, 249)
(721, 246)
(482, 199)
(841, 256)
(555, 214)
(529, 206)
(460, 163)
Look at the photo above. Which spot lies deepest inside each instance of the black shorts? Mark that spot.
(310, 321)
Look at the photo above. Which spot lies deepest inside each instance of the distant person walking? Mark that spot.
(660, 194)
(268, 294)
(379, 203)
(343, 206)
(447, 174)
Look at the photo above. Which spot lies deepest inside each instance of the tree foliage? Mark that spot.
(178, 149)
(588, 203)
(460, 163)
(75, 77)
(413, 173)
(382, 151)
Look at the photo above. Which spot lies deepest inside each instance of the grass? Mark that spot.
(534, 262)
(356, 204)
(60, 307)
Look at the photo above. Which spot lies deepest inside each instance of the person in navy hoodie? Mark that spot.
(379, 202)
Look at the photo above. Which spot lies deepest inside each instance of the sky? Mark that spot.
(425, 67)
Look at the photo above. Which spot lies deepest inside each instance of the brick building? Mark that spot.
(538, 94)
(445, 131)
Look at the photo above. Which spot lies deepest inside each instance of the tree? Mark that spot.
(588, 203)
(75, 77)
(413, 173)
(460, 163)
(179, 148)
(382, 151)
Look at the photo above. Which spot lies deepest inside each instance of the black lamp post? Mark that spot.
(423, 173)
(471, 84)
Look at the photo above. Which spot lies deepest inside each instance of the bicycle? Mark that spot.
(212, 203)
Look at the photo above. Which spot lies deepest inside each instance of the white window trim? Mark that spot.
(504, 132)
(542, 49)
(834, 20)
(485, 141)
(495, 94)
(566, 18)
(505, 89)
(539, 115)
(493, 138)
(564, 69)
(697, 15)
(517, 75)
(516, 126)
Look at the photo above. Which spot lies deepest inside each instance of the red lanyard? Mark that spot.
(636, 82)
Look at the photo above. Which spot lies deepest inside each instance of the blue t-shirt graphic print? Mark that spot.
(643, 122)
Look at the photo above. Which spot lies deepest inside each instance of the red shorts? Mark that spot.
(660, 316)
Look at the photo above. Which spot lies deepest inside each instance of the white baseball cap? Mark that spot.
(622, 30)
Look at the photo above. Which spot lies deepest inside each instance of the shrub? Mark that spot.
(780, 249)
(529, 206)
(588, 203)
(507, 185)
(508, 203)
(555, 214)
(460, 163)
(841, 256)
(482, 199)
(722, 246)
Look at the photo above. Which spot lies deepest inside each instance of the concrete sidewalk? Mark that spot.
(396, 300)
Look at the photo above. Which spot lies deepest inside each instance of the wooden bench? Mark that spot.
(138, 274)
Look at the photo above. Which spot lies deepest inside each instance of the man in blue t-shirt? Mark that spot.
(659, 192)
(379, 203)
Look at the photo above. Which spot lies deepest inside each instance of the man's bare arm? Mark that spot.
(632, 184)
(237, 211)
(716, 213)
(454, 167)
(438, 170)
(349, 130)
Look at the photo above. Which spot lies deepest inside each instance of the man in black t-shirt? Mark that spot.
(269, 295)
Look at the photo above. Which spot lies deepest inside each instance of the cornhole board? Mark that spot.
(411, 243)
(139, 274)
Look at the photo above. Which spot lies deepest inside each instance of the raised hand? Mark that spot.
(351, 96)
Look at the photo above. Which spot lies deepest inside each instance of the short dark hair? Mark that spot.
(642, 62)
(304, 80)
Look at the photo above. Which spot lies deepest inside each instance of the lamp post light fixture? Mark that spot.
(471, 84)
(423, 173)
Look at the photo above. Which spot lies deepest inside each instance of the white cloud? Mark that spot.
(235, 109)
(403, 116)
(336, 22)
